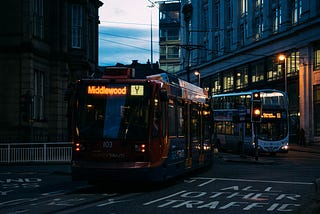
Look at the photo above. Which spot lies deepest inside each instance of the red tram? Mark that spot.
(139, 129)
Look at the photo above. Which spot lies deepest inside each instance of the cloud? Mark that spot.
(124, 32)
(122, 45)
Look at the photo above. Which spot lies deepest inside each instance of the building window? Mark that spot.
(173, 34)
(258, 27)
(228, 40)
(163, 52)
(216, 16)
(259, 3)
(241, 77)
(228, 11)
(296, 11)
(316, 107)
(293, 64)
(38, 98)
(276, 15)
(216, 84)
(76, 23)
(257, 72)
(38, 19)
(216, 51)
(169, 34)
(317, 58)
(169, 17)
(228, 81)
(259, 19)
(274, 70)
(244, 7)
(173, 52)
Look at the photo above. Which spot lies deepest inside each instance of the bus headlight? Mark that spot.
(285, 147)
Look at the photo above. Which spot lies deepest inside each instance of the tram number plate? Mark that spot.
(107, 144)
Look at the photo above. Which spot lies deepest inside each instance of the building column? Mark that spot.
(305, 92)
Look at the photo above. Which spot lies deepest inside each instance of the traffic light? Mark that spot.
(256, 96)
(256, 108)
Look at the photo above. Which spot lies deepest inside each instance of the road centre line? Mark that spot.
(248, 180)
(160, 199)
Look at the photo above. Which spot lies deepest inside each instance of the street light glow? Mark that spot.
(282, 57)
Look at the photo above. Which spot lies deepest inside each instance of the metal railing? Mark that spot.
(52, 152)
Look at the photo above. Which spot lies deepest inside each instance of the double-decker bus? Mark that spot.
(236, 129)
(148, 129)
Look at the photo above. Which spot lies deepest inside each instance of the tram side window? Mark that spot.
(156, 118)
(172, 121)
(181, 125)
(195, 125)
(206, 130)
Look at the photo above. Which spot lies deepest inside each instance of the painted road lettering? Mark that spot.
(245, 197)
(7, 185)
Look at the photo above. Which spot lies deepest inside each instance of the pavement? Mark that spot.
(313, 204)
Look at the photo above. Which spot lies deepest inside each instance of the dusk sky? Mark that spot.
(125, 32)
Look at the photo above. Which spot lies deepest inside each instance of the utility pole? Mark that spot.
(187, 11)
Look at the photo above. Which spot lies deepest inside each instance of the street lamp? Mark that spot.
(282, 57)
(197, 73)
(151, 43)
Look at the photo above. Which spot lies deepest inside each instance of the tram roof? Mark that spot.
(184, 85)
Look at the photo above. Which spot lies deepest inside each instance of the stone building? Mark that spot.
(238, 46)
(44, 45)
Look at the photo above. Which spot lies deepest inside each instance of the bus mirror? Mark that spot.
(163, 95)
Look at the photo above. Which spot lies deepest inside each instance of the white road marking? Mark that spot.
(248, 180)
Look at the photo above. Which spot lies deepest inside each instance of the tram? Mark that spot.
(149, 129)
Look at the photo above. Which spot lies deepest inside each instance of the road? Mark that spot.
(277, 184)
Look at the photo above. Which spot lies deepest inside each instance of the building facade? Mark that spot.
(239, 43)
(169, 36)
(44, 46)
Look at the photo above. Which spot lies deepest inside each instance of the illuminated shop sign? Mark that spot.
(104, 90)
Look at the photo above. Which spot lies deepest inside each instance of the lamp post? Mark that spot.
(282, 57)
(151, 43)
(197, 73)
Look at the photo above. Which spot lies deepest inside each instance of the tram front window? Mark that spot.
(114, 117)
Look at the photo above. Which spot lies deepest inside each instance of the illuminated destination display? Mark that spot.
(104, 90)
(137, 90)
(271, 115)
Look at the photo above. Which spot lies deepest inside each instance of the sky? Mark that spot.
(125, 32)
